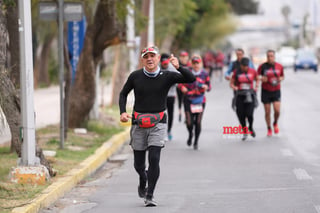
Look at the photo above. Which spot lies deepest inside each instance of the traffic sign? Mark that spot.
(72, 11)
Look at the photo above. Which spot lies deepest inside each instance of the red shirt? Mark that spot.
(244, 80)
(273, 72)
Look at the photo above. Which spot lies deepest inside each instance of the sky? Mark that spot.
(269, 16)
(272, 8)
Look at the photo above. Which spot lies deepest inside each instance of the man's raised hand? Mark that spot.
(174, 61)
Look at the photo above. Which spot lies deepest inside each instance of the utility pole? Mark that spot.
(131, 44)
(144, 34)
(28, 155)
(61, 69)
(151, 24)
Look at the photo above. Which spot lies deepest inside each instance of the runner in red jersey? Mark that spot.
(242, 82)
(195, 99)
(271, 74)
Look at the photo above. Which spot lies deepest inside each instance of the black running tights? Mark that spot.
(244, 110)
(170, 109)
(152, 175)
(193, 120)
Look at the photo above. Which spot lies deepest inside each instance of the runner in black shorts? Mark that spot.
(148, 131)
(270, 96)
(271, 74)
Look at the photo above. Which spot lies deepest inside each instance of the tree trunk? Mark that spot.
(82, 93)
(43, 61)
(119, 72)
(106, 30)
(167, 43)
(144, 33)
(67, 87)
(9, 99)
(10, 105)
(14, 48)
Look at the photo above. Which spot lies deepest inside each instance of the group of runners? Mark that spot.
(164, 77)
(245, 81)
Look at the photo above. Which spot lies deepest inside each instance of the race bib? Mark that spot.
(274, 82)
(196, 108)
(245, 86)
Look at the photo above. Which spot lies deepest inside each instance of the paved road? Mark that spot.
(226, 175)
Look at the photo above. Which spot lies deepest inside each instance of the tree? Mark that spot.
(14, 48)
(44, 33)
(9, 102)
(170, 20)
(242, 7)
(107, 29)
(9, 98)
(285, 10)
(211, 23)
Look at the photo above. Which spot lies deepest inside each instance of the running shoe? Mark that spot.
(149, 202)
(269, 134)
(253, 133)
(275, 128)
(169, 136)
(142, 192)
(195, 146)
(244, 137)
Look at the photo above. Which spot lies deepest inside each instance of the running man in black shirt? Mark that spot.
(149, 129)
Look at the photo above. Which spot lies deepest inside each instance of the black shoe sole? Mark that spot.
(150, 205)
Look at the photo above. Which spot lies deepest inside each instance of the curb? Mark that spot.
(69, 180)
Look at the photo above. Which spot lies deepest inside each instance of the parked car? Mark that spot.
(285, 56)
(306, 59)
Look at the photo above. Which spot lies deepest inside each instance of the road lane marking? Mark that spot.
(286, 152)
(302, 174)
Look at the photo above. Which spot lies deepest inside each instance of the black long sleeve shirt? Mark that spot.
(151, 92)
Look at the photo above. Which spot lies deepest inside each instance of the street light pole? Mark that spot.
(28, 154)
(151, 24)
(61, 70)
(131, 44)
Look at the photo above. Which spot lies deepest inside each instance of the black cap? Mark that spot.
(244, 61)
(164, 57)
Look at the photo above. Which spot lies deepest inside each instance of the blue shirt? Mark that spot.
(231, 68)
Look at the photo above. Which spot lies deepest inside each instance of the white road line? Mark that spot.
(317, 208)
(286, 152)
(302, 174)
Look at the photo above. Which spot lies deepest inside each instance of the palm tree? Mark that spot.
(285, 10)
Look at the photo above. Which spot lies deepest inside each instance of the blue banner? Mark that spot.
(76, 34)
